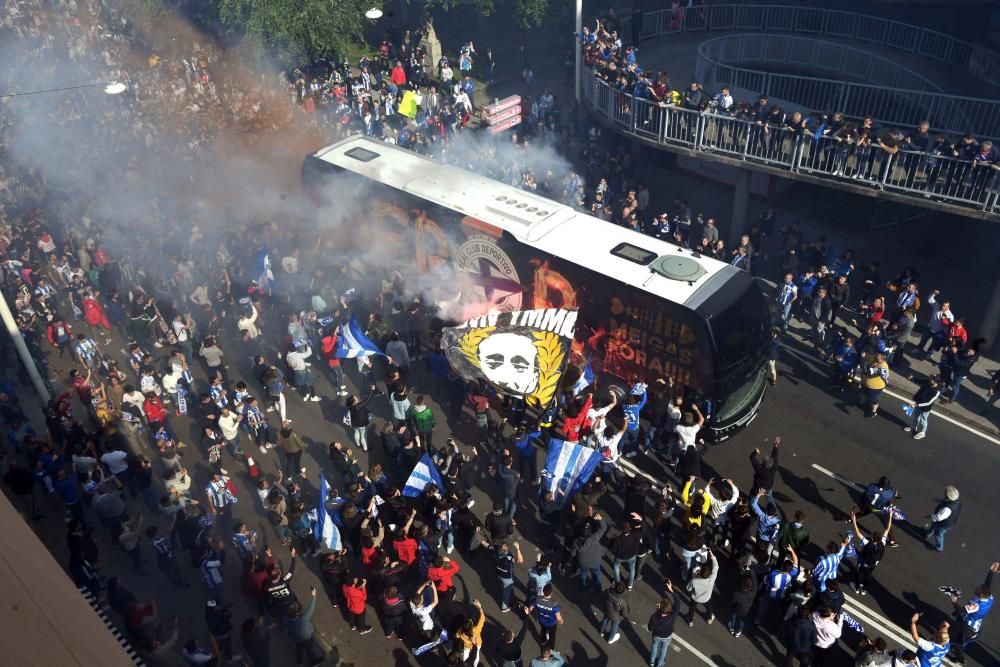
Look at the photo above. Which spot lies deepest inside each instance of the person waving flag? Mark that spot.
(326, 531)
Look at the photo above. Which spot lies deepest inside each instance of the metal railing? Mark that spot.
(890, 93)
(942, 178)
(980, 61)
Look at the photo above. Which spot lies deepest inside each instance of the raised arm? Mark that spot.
(701, 417)
(913, 627)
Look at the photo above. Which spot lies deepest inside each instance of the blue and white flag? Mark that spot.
(898, 514)
(352, 342)
(423, 648)
(852, 622)
(424, 473)
(586, 378)
(263, 269)
(568, 467)
(325, 531)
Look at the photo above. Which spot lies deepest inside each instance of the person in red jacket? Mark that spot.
(329, 346)
(404, 544)
(356, 596)
(576, 418)
(441, 573)
(60, 334)
(255, 573)
(398, 75)
(96, 316)
(155, 412)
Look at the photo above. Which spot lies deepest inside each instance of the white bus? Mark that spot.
(647, 308)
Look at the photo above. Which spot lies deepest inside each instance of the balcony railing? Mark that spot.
(937, 177)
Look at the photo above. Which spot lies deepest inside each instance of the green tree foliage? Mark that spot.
(531, 13)
(299, 28)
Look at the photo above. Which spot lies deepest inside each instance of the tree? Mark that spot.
(300, 28)
(530, 13)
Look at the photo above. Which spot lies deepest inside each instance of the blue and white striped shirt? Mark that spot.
(827, 567)
(778, 582)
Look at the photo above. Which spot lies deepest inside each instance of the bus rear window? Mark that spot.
(361, 154)
(633, 253)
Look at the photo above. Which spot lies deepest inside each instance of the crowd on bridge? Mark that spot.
(184, 366)
(917, 160)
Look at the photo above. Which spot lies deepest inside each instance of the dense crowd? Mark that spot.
(178, 366)
(929, 162)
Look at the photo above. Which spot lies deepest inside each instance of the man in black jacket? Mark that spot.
(626, 547)
(801, 637)
(923, 401)
(840, 294)
(661, 626)
(765, 469)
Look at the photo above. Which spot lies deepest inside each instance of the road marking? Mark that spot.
(677, 641)
(989, 438)
(865, 613)
(695, 652)
(842, 480)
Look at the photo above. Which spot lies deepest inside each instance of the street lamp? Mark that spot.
(578, 47)
(374, 13)
(110, 88)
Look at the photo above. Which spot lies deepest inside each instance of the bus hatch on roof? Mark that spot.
(673, 267)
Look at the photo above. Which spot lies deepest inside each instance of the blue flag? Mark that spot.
(262, 271)
(424, 473)
(586, 378)
(568, 467)
(325, 531)
(852, 622)
(352, 342)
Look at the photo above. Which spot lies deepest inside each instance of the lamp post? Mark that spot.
(577, 47)
(110, 88)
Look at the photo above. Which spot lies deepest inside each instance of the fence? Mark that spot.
(939, 46)
(890, 94)
(861, 29)
(942, 178)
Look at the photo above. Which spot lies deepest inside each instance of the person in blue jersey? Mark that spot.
(930, 653)
(777, 584)
(829, 563)
(632, 407)
(969, 617)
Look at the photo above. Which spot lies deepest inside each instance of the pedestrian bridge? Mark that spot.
(767, 50)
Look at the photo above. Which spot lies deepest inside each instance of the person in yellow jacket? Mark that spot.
(697, 504)
(471, 635)
(874, 378)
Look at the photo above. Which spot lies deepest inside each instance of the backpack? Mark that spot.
(62, 333)
(273, 517)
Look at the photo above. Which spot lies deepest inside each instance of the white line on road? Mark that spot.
(864, 613)
(996, 441)
(677, 641)
(695, 652)
(842, 480)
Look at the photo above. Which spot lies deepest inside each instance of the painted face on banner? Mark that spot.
(509, 360)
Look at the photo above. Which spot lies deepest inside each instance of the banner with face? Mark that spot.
(520, 353)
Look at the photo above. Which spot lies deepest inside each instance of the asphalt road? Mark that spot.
(817, 428)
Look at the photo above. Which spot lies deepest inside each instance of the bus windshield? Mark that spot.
(741, 334)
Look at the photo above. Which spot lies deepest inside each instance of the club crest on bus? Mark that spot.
(487, 274)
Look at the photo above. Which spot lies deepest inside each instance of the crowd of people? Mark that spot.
(178, 368)
(931, 163)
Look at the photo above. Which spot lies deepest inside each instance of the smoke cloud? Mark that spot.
(203, 151)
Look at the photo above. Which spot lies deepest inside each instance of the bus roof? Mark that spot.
(542, 223)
